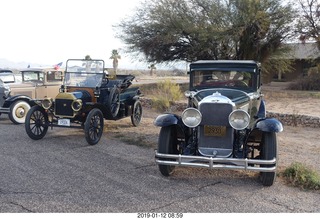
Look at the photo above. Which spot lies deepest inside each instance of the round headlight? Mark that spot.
(239, 119)
(76, 105)
(46, 103)
(191, 117)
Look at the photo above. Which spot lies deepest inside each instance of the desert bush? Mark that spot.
(165, 94)
(299, 175)
(309, 83)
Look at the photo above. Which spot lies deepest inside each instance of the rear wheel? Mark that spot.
(136, 114)
(18, 112)
(167, 144)
(268, 152)
(36, 123)
(93, 126)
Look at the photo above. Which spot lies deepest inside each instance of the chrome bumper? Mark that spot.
(215, 163)
(4, 110)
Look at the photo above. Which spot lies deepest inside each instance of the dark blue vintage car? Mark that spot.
(86, 98)
(225, 125)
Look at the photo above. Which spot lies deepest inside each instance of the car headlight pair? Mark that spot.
(76, 105)
(238, 119)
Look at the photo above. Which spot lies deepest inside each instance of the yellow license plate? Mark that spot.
(218, 131)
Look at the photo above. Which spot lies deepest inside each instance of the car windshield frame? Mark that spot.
(240, 79)
(84, 73)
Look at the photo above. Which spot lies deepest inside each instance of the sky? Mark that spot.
(52, 31)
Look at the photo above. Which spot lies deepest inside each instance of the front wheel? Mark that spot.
(36, 123)
(93, 126)
(268, 152)
(136, 114)
(167, 144)
(18, 112)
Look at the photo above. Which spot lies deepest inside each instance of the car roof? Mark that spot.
(232, 64)
(5, 70)
(42, 69)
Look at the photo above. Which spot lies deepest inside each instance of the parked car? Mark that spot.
(225, 124)
(7, 76)
(4, 92)
(37, 83)
(86, 98)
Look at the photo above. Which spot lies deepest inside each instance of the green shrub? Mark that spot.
(301, 176)
(165, 94)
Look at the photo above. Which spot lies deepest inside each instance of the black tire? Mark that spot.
(136, 113)
(113, 103)
(36, 123)
(167, 144)
(18, 112)
(93, 126)
(268, 152)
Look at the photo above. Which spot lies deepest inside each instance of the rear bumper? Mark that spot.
(215, 163)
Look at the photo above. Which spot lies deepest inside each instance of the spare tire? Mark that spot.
(113, 103)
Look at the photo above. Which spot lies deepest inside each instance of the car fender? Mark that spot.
(269, 125)
(15, 98)
(164, 120)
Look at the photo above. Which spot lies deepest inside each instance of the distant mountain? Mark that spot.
(4, 63)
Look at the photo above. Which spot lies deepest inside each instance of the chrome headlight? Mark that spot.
(46, 103)
(191, 117)
(189, 94)
(239, 119)
(76, 105)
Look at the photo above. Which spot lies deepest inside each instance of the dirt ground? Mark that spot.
(295, 144)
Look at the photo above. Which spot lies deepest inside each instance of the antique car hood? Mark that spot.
(83, 95)
(231, 96)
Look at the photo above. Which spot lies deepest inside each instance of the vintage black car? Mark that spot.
(225, 124)
(86, 98)
(4, 92)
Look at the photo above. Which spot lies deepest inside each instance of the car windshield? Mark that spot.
(221, 78)
(7, 78)
(84, 73)
(32, 76)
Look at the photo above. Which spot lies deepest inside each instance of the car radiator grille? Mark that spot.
(63, 107)
(215, 133)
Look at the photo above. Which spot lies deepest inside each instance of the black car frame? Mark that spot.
(87, 97)
(225, 124)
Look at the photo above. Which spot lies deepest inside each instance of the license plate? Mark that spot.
(64, 122)
(218, 131)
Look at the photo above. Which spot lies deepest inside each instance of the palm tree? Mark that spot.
(115, 57)
(152, 68)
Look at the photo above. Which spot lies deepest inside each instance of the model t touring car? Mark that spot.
(86, 98)
(225, 124)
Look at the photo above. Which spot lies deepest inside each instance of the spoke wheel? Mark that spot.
(167, 144)
(268, 152)
(136, 114)
(36, 123)
(93, 126)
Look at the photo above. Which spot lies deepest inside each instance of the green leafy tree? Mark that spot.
(175, 30)
(115, 60)
(189, 30)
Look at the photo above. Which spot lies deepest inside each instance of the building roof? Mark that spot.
(304, 51)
